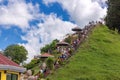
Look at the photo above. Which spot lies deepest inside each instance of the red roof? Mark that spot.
(6, 61)
(46, 55)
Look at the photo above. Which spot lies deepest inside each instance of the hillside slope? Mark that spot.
(98, 58)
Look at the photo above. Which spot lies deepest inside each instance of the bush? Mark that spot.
(68, 39)
(49, 47)
(55, 52)
(50, 63)
(32, 64)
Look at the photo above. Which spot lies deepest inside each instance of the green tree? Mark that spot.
(113, 15)
(68, 39)
(32, 64)
(50, 63)
(16, 52)
(49, 47)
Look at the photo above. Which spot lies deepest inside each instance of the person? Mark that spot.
(70, 51)
(56, 64)
(41, 70)
(58, 49)
(78, 41)
(44, 65)
(63, 56)
(75, 44)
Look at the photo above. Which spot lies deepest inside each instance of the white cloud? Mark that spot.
(17, 13)
(1, 1)
(81, 11)
(20, 13)
(51, 28)
(102, 0)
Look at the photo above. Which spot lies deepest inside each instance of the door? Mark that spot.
(0, 75)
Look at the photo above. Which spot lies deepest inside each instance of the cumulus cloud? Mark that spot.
(1, 1)
(102, 0)
(18, 13)
(81, 12)
(51, 28)
(0, 49)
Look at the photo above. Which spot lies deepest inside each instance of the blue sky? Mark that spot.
(34, 23)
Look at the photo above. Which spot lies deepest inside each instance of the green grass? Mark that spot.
(98, 58)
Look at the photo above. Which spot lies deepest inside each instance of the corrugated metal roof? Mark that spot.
(7, 64)
(6, 61)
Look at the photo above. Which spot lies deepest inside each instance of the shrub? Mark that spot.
(32, 64)
(49, 47)
(50, 63)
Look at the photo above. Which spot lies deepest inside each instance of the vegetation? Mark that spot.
(50, 63)
(68, 39)
(49, 47)
(32, 64)
(113, 15)
(16, 52)
(96, 59)
(36, 69)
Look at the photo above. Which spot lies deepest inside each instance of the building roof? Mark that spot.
(7, 64)
(46, 55)
(6, 61)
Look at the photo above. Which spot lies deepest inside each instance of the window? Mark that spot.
(8, 76)
(12, 76)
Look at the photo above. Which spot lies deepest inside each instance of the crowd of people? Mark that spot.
(67, 51)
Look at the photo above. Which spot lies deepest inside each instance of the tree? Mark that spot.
(68, 39)
(32, 64)
(50, 63)
(16, 52)
(113, 15)
(49, 47)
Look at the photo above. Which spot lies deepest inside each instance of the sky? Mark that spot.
(35, 23)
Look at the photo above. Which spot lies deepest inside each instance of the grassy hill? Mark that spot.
(98, 58)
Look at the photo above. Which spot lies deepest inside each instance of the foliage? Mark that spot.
(50, 63)
(32, 64)
(36, 69)
(98, 58)
(49, 47)
(55, 52)
(68, 39)
(16, 52)
(45, 49)
(113, 15)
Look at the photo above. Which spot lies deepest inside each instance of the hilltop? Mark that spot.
(98, 58)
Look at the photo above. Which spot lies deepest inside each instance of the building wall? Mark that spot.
(3, 74)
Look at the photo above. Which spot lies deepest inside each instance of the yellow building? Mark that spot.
(9, 70)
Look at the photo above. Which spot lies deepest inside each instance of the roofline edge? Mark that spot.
(12, 68)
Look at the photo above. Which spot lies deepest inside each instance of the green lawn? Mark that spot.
(98, 58)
